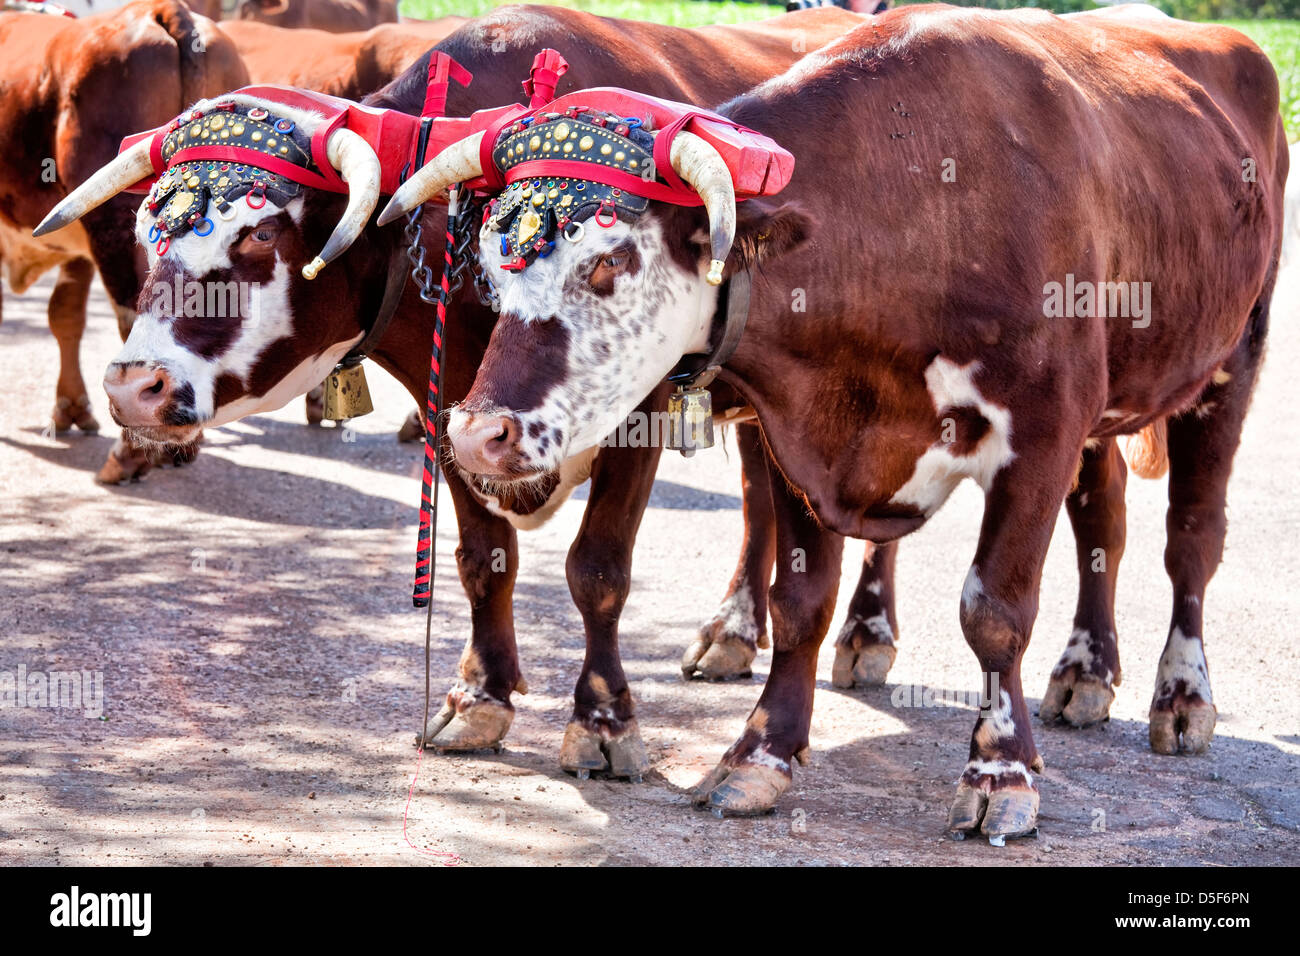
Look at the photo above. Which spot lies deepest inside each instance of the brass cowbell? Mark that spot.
(346, 393)
(690, 420)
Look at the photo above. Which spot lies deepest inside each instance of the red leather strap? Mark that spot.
(548, 67)
(681, 195)
(442, 70)
(252, 157)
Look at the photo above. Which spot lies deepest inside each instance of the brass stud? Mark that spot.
(586, 143)
(606, 149)
(535, 143)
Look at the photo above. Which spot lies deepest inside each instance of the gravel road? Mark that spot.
(262, 668)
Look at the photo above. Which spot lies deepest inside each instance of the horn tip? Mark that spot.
(311, 269)
(391, 212)
(49, 224)
(714, 276)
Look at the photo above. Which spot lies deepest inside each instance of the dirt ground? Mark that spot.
(262, 666)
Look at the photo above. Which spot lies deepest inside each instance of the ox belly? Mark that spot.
(26, 259)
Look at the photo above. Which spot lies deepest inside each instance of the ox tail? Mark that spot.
(1147, 452)
(191, 34)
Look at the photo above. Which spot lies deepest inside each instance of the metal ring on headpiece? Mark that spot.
(575, 237)
(164, 244)
(613, 211)
(211, 225)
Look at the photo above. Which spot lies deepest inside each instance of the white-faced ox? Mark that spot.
(925, 354)
(178, 373)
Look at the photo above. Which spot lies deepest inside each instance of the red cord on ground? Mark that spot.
(450, 859)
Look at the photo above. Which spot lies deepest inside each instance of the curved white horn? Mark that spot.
(455, 164)
(700, 166)
(125, 170)
(359, 166)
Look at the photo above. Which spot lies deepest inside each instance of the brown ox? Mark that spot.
(939, 341)
(63, 117)
(350, 65)
(332, 16)
(317, 319)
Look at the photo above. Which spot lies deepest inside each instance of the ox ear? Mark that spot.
(766, 229)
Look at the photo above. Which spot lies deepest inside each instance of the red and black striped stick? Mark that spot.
(432, 439)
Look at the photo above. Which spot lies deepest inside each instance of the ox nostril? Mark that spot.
(154, 392)
(156, 387)
(508, 434)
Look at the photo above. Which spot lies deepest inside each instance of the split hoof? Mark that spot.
(413, 428)
(585, 751)
(862, 667)
(124, 464)
(1182, 725)
(747, 790)
(480, 726)
(1078, 699)
(994, 807)
(69, 412)
(716, 655)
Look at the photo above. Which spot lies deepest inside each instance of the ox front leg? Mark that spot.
(996, 793)
(727, 645)
(758, 767)
(1081, 687)
(477, 712)
(864, 650)
(603, 736)
(67, 316)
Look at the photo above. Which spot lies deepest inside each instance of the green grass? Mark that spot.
(1280, 39)
(678, 13)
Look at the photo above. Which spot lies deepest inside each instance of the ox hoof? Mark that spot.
(1182, 724)
(747, 790)
(413, 428)
(124, 464)
(997, 805)
(864, 667)
(479, 726)
(314, 402)
(73, 411)
(1078, 699)
(586, 751)
(718, 655)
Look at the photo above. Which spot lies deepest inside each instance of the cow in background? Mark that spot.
(332, 16)
(64, 115)
(350, 65)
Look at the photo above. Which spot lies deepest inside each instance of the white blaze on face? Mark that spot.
(620, 346)
(938, 471)
(269, 318)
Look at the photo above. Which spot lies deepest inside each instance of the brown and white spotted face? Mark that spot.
(583, 336)
(227, 324)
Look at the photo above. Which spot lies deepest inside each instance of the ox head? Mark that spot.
(228, 323)
(601, 291)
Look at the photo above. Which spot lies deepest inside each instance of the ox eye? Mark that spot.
(607, 268)
(260, 239)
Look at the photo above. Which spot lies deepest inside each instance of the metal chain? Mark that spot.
(462, 261)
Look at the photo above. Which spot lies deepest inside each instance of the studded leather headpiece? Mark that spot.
(535, 211)
(180, 197)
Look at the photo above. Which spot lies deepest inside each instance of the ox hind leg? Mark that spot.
(477, 711)
(1202, 443)
(67, 317)
(997, 793)
(865, 648)
(603, 736)
(1081, 687)
(727, 645)
(758, 767)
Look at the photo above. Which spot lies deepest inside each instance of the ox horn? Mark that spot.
(455, 164)
(703, 169)
(124, 171)
(357, 163)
